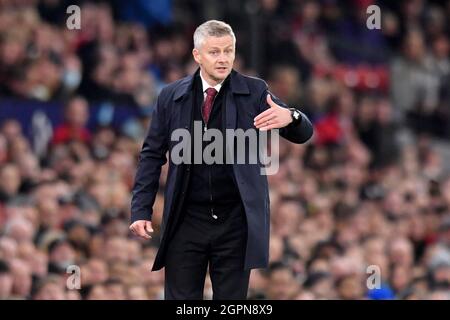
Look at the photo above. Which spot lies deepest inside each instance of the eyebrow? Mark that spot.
(213, 48)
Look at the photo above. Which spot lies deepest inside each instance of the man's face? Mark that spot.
(78, 113)
(215, 57)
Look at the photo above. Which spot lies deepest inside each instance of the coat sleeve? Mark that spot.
(151, 159)
(299, 133)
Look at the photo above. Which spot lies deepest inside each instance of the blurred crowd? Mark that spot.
(362, 211)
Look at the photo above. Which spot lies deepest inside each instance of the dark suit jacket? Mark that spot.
(245, 99)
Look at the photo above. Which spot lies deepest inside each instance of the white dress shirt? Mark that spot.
(206, 86)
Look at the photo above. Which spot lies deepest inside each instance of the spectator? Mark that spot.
(6, 280)
(74, 128)
(282, 283)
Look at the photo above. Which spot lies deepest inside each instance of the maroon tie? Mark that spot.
(207, 106)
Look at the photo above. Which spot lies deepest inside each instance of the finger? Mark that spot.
(141, 231)
(263, 121)
(270, 127)
(270, 101)
(148, 226)
(266, 117)
(263, 114)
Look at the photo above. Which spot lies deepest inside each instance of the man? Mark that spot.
(6, 280)
(215, 215)
(76, 116)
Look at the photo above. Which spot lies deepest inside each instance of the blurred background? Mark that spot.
(372, 187)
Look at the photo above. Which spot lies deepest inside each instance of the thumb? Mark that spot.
(270, 101)
(148, 226)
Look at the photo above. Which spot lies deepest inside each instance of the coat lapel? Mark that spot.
(238, 87)
(183, 97)
(183, 103)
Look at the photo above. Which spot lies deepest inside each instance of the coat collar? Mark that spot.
(237, 84)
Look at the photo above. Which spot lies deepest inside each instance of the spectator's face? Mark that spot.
(29, 166)
(319, 265)
(73, 295)
(22, 278)
(21, 230)
(104, 137)
(282, 285)
(341, 266)
(311, 11)
(119, 200)
(323, 288)
(79, 234)
(444, 236)
(350, 288)
(98, 271)
(98, 292)
(401, 278)
(286, 84)
(134, 250)
(11, 129)
(116, 292)
(116, 250)
(11, 52)
(300, 246)
(10, 179)
(441, 47)
(18, 147)
(6, 283)
(8, 248)
(442, 274)
(39, 263)
(49, 212)
(26, 250)
(401, 252)
(51, 291)
(96, 245)
(347, 236)
(77, 113)
(374, 246)
(287, 219)
(439, 295)
(155, 292)
(414, 47)
(137, 293)
(305, 295)
(62, 254)
(3, 149)
(309, 230)
(215, 57)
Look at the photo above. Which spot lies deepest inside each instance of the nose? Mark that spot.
(222, 58)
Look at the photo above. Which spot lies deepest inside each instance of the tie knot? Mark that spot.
(211, 92)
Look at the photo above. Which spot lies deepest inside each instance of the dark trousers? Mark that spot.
(201, 240)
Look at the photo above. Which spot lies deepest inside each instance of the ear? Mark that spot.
(196, 55)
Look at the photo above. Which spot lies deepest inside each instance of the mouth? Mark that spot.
(221, 69)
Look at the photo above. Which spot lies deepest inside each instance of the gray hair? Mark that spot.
(212, 28)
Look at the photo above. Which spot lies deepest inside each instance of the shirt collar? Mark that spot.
(205, 84)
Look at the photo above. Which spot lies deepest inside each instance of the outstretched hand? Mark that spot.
(273, 118)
